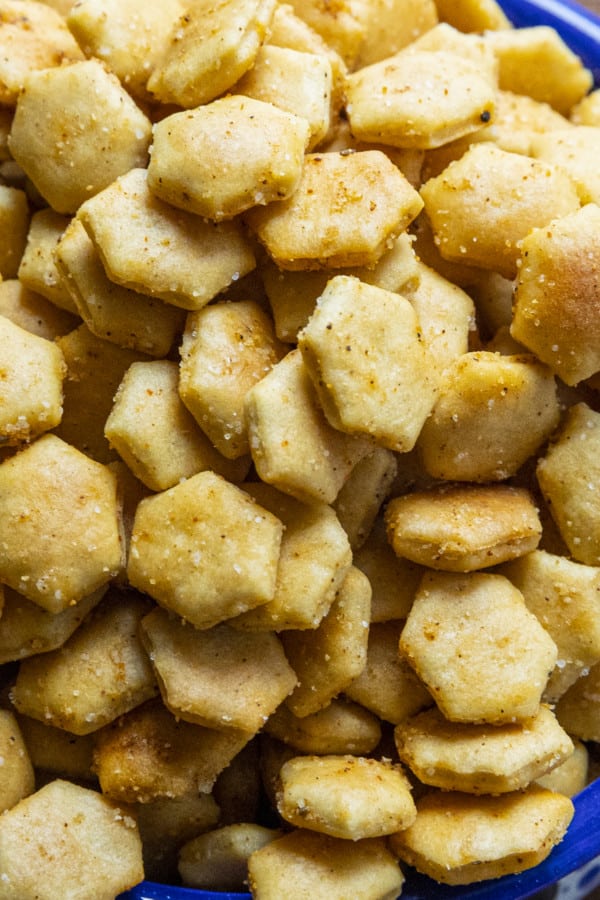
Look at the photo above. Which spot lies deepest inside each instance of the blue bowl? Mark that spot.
(580, 29)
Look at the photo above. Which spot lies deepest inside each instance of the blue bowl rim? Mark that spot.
(580, 29)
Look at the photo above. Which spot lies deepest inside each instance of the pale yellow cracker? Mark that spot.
(325, 868)
(557, 294)
(363, 494)
(571, 776)
(481, 759)
(97, 843)
(130, 37)
(492, 413)
(293, 294)
(33, 369)
(363, 350)
(419, 99)
(17, 777)
(314, 560)
(445, 313)
(587, 111)
(293, 446)
(387, 684)
(32, 37)
(99, 674)
(568, 474)
(364, 202)
(349, 797)
(219, 556)
(38, 269)
(326, 659)
(460, 839)
(461, 528)
(149, 755)
(210, 47)
(393, 25)
(156, 435)
(27, 629)
(574, 148)
(565, 596)
(14, 224)
(462, 636)
(149, 246)
(260, 149)
(217, 677)
(59, 524)
(296, 82)
(112, 312)
(95, 368)
(226, 348)
(538, 62)
(342, 26)
(341, 727)
(394, 580)
(93, 127)
(578, 710)
(483, 204)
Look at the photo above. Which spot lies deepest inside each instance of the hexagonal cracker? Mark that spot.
(151, 247)
(32, 372)
(75, 130)
(363, 350)
(260, 149)
(218, 677)
(226, 348)
(557, 294)
(293, 446)
(483, 656)
(419, 99)
(568, 475)
(156, 435)
(205, 550)
(364, 202)
(97, 843)
(314, 560)
(461, 839)
(211, 46)
(481, 759)
(59, 524)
